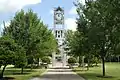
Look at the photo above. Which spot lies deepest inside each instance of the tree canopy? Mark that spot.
(30, 32)
(97, 29)
(9, 52)
(28, 38)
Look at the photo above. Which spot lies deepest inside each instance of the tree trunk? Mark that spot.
(38, 62)
(118, 59)
(2, 72)
(0, 65)
(96, 64)
(31, 66)
(79, 60)
(22, 70)
(83, 64)
(88, 64)
(103, 65)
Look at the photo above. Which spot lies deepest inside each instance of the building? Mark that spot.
(59, 33)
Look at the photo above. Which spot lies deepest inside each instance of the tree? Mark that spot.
(20, 60)
(68, 41)
(45, 41)
(82, 31)
(31, 33)
(46, 59)
(72, 60)
(102, 18)
(74, 42)
(8, 52)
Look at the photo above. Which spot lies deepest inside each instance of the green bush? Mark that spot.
(72, 60)
(46, 59)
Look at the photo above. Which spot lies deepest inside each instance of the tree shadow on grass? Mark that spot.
(17, 72)
(79, 70)
(36, 76)
(8, 78)
(94, 76)
(59, 70)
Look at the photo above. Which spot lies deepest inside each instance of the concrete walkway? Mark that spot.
(59, 74)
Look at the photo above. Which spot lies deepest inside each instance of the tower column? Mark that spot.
(59, 31)
(64, 59)
(53, 59)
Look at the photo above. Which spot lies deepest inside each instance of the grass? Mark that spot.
(112, 69)
(15, 73)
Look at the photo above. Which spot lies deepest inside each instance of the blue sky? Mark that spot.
(44, 9)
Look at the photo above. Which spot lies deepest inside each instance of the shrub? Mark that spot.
(46, 59)
(72, 60)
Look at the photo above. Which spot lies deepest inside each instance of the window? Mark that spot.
(55, 32)
(58, 36)
(61, 33)
(58, 32)
(55, 35)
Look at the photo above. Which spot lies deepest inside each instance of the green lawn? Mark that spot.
(14, 73)
(112, 69)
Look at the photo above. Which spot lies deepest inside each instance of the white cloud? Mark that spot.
(1, 28)
(82, 1)
(7, 23)
(71, 24)
(13, 5)
(73, 11)
(2, 25)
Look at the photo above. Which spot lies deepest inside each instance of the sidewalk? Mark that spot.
(59, 74)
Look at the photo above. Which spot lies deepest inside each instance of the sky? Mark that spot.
(44, 9)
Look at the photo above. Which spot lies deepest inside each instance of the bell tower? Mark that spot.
(59, 30)
(59, 24)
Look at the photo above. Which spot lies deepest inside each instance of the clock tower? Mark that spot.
(59, 30)
(58, 16)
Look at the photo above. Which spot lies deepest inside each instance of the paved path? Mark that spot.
(59, 74)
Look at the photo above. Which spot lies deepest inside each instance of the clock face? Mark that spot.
(59, 16)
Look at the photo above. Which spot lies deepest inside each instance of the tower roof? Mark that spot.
(59, 9)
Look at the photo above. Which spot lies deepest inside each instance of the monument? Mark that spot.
(59, 31)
